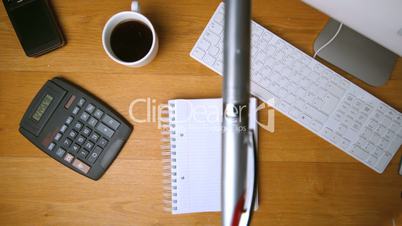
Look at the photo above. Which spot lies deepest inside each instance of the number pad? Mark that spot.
(84, 135)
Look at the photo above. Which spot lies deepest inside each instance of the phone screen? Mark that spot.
(35, 24)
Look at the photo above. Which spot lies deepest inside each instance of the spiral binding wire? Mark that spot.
(168, 150)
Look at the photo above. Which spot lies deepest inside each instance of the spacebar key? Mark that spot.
(106, 131)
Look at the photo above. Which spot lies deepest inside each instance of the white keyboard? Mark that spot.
(311, 94)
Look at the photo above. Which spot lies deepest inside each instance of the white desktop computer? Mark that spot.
(364, 37)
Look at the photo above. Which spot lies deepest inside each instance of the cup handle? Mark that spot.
(135, 6)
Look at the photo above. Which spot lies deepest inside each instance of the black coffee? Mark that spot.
(131, 40)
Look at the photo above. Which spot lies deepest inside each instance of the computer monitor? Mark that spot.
(368, 40)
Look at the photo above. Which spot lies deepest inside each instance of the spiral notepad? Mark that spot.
(192, 149)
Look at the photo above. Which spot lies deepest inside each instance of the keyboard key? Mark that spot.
(103, 142)
(76, 110)
(81, 140)
(219, 18)
(90, 108)
(218, 66)
(109, 121)
(84, 116)
(106, 131)
(82, 154)
(67, 142)
(370, 148)
(86, 131)
(72, 134)
(204, 44)
(394, 146)
(362, 143)
(383, 161)
(198, 53)
(92, 122)
(81, 102)
(68, 158)
(98, 113)
(344, 143)
(51, 146)
(372, 160)
(328, 133)
(316, 125)
(60, 152)
(74, 148)
(360, 153)
(211, 37)
(58, 136)
(330, 103)
(78, 126)
(367, 133)
(94, 137)
(81, 166)
(94, 155)
(69, 120)
(213, 51)
(209, 59)
(63, 128)
(88, 145)
(69, 102)
(383, 144)
(375, 138)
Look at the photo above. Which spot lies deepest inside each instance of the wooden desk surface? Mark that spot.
(303, 179)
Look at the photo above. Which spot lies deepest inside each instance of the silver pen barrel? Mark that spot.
(236, 97)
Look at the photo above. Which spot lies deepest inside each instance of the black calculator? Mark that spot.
(75, 128)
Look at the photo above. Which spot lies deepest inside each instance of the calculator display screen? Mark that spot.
(46, 101)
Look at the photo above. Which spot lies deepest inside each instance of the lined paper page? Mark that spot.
(197, 126)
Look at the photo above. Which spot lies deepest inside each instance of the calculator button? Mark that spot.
(84, 116)
(72, 134)
(106, 131)
(74, 148)
(58, 136)
(76, 110)
(78, 126)
(95, 154)
(82, 154)
(92, 122)
(86, 131)
(69, 102)
(103, 142)
(80, 139)
(67, 142)
(51, 146)
(109, 121)
(94, 136)
(88, 145)
(63, 128)
(69, 120)
(81, 166)
(98, 113)
(60, 152)
(90, 108)
(81, 102)
(68, 158)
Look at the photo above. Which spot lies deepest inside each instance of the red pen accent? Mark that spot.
(238, 210)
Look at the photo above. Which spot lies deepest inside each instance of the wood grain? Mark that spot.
(303, 179)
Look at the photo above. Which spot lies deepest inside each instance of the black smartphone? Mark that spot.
(35, 25)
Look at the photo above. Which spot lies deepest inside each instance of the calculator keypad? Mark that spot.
(84, 135)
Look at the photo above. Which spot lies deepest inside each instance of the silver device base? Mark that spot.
(356, 54)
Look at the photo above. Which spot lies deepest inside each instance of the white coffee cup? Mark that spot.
(133, 15)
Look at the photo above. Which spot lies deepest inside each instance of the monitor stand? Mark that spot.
(356, 54)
